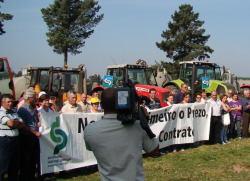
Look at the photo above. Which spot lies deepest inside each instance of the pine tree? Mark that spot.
(70, 22)
(4, 17)
(184, 41)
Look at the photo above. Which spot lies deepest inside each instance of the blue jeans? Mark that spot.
(223, 134)
(234, 121)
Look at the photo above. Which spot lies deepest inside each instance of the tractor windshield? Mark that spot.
(141, 76)
(208, 70)
(137, 76)
(65, 81)
(202, 70)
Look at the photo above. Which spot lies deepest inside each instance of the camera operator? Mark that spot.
(118, 148)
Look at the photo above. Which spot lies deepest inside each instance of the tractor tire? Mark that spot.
(173, 89)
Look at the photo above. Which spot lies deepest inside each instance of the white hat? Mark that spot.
(41, 93)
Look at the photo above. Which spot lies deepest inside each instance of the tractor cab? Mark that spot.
(194, 71)
(138, 73)
(59, 79)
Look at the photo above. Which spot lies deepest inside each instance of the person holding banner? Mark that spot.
(215, 118)
(44, 104)
(225, 119)
(94, 108)
(118, 148)
(30, 150)
(198, 98)
(83, 102)
(203, 96)
(72, 105)
(170, 99)
(154, 102)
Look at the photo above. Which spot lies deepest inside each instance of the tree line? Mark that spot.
(71, 22)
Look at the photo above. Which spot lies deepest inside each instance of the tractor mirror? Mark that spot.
(1, 66)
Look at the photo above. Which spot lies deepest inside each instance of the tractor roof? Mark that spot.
(197, 62)
(126, 66)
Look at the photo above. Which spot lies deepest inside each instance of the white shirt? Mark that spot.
(4, 117)
(40, 109)
(118, 148)
(216, 107)
(203, 100)
(70, 108)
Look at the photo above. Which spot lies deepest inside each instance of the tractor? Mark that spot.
(141, 75)
(191, 72)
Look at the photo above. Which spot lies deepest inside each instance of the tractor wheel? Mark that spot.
(173, 89)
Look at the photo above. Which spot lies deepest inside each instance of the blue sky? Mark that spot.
(128, 32)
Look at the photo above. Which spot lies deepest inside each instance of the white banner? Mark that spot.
(181, 123)
(63, 148)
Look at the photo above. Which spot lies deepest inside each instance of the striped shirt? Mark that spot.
(4, 117)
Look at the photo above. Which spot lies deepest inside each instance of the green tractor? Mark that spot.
(191, 72)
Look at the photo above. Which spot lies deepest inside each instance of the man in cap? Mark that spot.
(30, 150)
(95, 93)
(72, 105)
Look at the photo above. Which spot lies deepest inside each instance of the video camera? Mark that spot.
(129, 109)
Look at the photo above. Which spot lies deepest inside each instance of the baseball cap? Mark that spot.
(94, 100)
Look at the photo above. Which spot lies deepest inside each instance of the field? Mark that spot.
(206, 162)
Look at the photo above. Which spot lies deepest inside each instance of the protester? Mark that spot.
(246, 113)
(204, 96)
(186, 98)
(44, 104)
(170, 99)
(154, 102)
(236, 116)
(229, 95)
(223, 128)
(72, 105)
(29, 142)
(95, 93)
(215, 118)
(83, 102)
(53, 99)
(94, 105)
(9, 141)
(198, 98)
(143, 101)
(179, 97)
(118, 158)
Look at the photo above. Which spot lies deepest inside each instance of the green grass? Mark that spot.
(206, 162)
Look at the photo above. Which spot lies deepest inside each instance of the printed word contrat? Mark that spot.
(176, 133)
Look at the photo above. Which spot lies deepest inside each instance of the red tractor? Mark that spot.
(141, 75)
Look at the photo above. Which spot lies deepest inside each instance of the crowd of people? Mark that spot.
(227, 112)
(19, 130)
